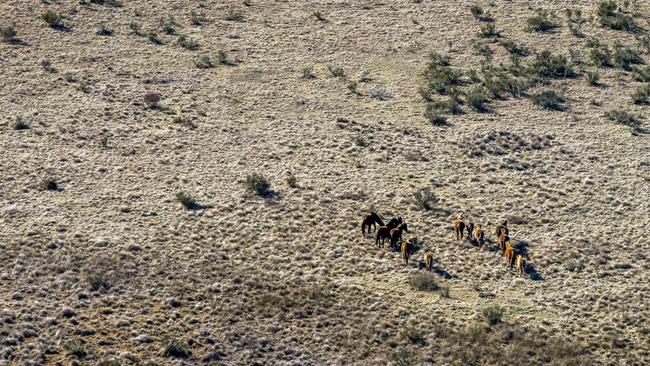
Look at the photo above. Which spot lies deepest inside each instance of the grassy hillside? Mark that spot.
(184, 181)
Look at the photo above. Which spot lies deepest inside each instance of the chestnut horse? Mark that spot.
(384, 231)
(407, 249)
(428, 261)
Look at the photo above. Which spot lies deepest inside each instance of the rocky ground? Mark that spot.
(100, 263)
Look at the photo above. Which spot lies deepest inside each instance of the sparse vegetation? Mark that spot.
(336, 71)
(542, 22)
(592, 78)
(257, 184)
(153, 38)
(624, 118)
(492, 315)
(612, 17)
(423, 281)
(514, 48)
(550, 66)
(175, 348)
(624, 56)
(425, 199)
(488, 30)
(292, 181)
(641, 95)
(548, 99)
(197, 18)
(477, 97)
(53, 19)
(75, 348)
(8, 34)
(188, 43)
(203, 62)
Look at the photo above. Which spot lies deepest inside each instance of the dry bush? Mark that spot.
(549, 99)
(612, 17)
(542, 22)
(53, 19)
(257, 184)
(423, 281)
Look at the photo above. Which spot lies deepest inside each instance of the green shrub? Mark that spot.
(292, 181)
(197, 18)
(440, 77)
(476, 98)
(425, 199)
(203, 62)
(104, 31)
(8, 34)
(625, 118)
(75, 348)
(547, 65)
(423, 281)
(641, 94)
(53, 19)
(488, 30)
(412, 335)
(175, 348)
(336, 71)
(514, 48)
(434, 117)
(492, 315)
(153, 38)
(600, 56)
(610, 16)
(642, 74)
(592, 78)
(624, 56)
(50, 185)
(20, 124)
(187, 43)
(548, 99)
(257, 184)
(187, 201)
(541, 22)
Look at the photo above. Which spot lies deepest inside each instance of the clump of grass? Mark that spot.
(8, 34)
(624, 56)
(423, 281)
(169, 25)
(292, 181)
(75, 348)
(104, 31)
(203, 62)
(187, 201)
(104, 141)
(352, 86)
(476, 98)
(50, 185)
(642, 74)
(434, 117)
(258, 184)
(175, 348)
(600, 55)
(20, 124)
(153, 38)
(612, 17)
(424, 199)
(188, 43)
(514, 48)
(488, 30)
(444, 291)
(412, 335)
(624, 118)
(641, 94)
(319, 16)
(548, 99)
(53, 19)
(549, 66)
(542, 22)
(592, 78)
(308, 73)
(336, 71)
(479, 14)
(152, 99)
(492, 315)
(136, 28)
(197, 18)
(223, 59)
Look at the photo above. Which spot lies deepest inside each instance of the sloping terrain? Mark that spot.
(101, 264)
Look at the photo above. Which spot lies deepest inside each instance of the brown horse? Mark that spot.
(479, 236)
(370, 220)
(459, 226)
(501, 228)
(470, 229)
(407, 249)
(428, 261)
(521, 264)
(502, 240)
(396, 234)
(510, 254)
(384, 231)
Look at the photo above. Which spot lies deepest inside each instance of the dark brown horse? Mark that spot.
(384, 231)
(459, 226)
(470, 229)
(370, 220)
(396, 234)
(501, 228)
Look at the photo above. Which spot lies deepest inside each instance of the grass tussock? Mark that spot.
(258, 184)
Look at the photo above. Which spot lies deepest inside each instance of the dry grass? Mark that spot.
(113, 268)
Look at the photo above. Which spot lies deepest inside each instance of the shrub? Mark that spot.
(479, 14)
(449, 106)
(610, 16)
(50, 185)
(641, 94)
(308, 73)
(360, 141)
(153, 38)
(434, 117)
(444, 291)
(8, 34)
(75, 348)
(152, 99)
(423, 281)
(104, 31)
(47, 65)
(168, 26)
(492, 315)
(642, 74)
(425, 199)
(318, 15)
(440, 77)
(222, 58)
(514, 48)
(136, 28)
(20, 124)
(548, 65)
(53, 19)
(624, 118)
(111, 3)
(541, 22)
(187, 43)
(175, 348)
(235, 17)
(548, 99)
(203, 62)
(412, 335)
(336, 71)
(476, 98)
(488, 30)
(197, 18)
(257, 184)
(592, 78)
(187, 201)
(292, 181)
(352, 86)
(624, 56)
(499, 84)
(600, 56)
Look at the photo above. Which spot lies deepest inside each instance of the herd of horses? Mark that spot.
(392, 231)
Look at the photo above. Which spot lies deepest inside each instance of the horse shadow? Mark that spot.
(437, 270)
(533, 274)
(522, 248)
